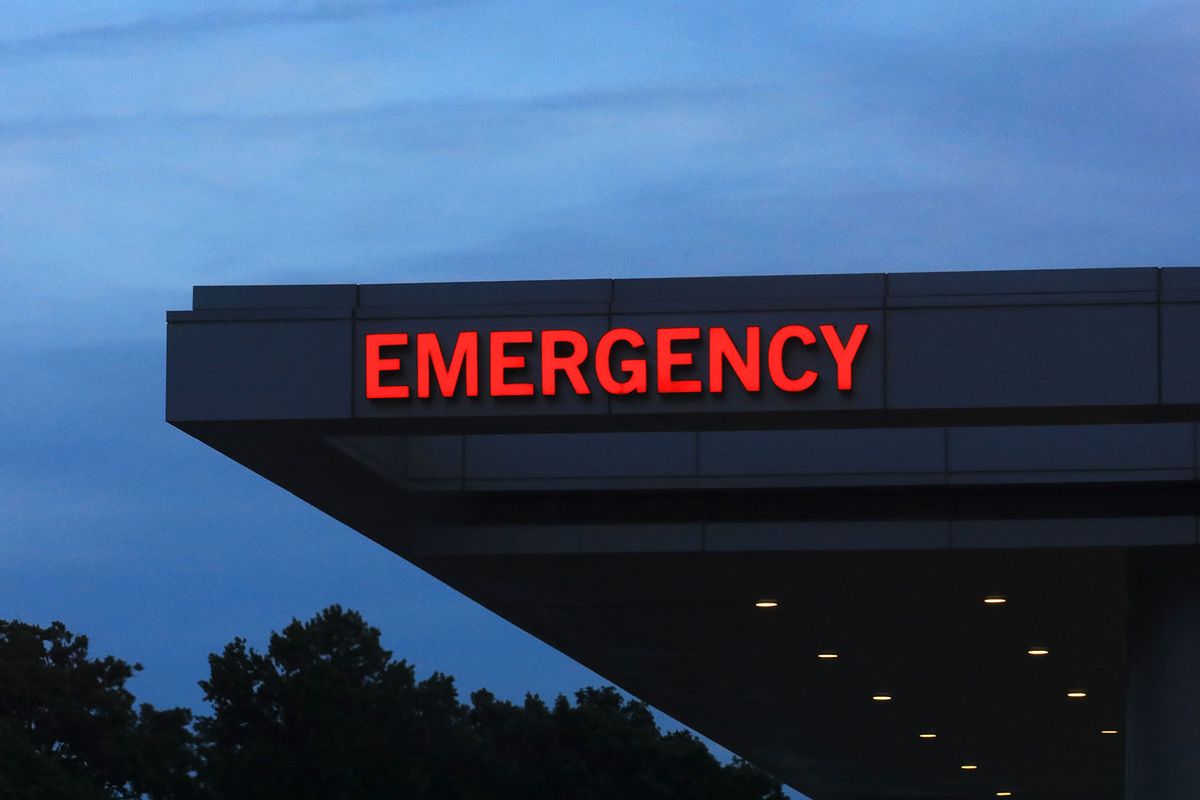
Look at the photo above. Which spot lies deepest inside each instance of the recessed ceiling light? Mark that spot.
(926, 735)
(881, 698)
(827, 655)
(969, 766)
(1003, 794)
(995, 600)
(1110, 732)
(1038, 651)
(1077, 695)
(766, 604)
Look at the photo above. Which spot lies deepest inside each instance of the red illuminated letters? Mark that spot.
(376, 365)
(775, 358)
(552, 363)
(844, 354)
(668, 359)
(682, 360)
(634, 368)
(502, 363)
(431, 359)
(721, 351)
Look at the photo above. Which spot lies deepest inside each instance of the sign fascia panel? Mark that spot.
(726, 362)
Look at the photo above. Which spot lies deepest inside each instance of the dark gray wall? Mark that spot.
(1060, 398)
(1116, 344)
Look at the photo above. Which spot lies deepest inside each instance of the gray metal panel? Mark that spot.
(1179, 284)
(435, 460)
(435, 457)
(1016, 282)
(1071, 447)
(583, 455)
(559, 539)
(749, 293)
(1070, 476)
(1075, 532)
(1022, 356)
(1196, 446)
(484, 293)
(259, 314)
(258, 370)
(472, 312)
(786, 536)
(599, 483)
(816, 480)
(434, 485)
(998, 300)
(1163, 706)
(302, 296)
(1181, 353)
(877, 450)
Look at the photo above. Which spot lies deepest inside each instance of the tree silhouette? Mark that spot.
(68, 728)
(602, 747)
(326, 713)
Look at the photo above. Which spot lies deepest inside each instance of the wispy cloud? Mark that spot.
(464, 114)
(156, 28)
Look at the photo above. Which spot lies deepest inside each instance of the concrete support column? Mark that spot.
(1162, 748)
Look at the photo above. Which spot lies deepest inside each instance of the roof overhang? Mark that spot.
(1011, 433)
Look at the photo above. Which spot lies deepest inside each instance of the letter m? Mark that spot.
(430, 359)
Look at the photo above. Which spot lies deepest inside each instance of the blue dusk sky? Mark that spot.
(149, 146)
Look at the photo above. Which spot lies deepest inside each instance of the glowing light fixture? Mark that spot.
(926, 735)
(1110, 732)
(995, 600)
(765, 603)
(1038, 651)
(1003, 794)
(969, 766)
(828, 655)
(881, 698)
(1076, 695)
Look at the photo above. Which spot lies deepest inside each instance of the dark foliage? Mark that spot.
(601, 747)
(326, 713)
(68, 727)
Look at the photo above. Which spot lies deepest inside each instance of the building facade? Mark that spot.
(889, 536)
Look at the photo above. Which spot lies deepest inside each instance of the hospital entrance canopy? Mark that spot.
(765, 504)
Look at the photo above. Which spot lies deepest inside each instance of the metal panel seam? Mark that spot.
(353, 349)
(884, 313)
(945, 455)
(1195, 455)
(1159, 334)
